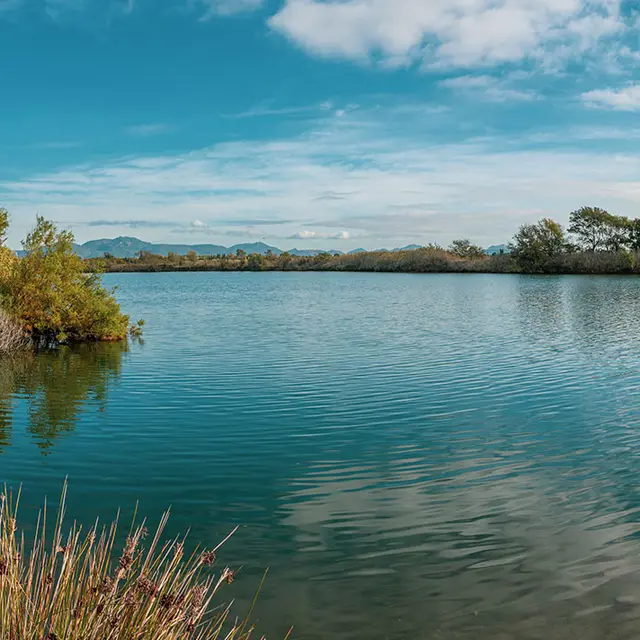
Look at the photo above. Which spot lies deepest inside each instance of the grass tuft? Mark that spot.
(70, 584)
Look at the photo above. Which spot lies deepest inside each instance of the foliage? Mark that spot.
(50, 293)
(633, 234)
(8, 261)
(255, 262)
(7, 257)
(428, 259)
(598, 230)
(4, 225)
(135, 330)
(534, 244)
(75, 585)
(465, 249)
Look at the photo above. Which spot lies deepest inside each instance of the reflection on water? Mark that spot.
(413, 456)
(56, 385)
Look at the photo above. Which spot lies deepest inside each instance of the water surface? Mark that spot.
(425, 456)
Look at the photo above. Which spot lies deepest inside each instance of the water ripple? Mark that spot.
(414, 456)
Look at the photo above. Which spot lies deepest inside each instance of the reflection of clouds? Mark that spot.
(503, 548)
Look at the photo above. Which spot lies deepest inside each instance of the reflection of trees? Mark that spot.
(55, 386)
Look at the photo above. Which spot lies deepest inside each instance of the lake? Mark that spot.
(413, 456)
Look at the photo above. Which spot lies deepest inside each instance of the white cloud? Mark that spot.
(315, 235)
(303, 235)
(489, 88)
(626, 99)
(377, 175)
(458, 33)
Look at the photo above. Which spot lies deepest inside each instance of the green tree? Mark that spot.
(633, 234)
(465, 249)
(50, 292)
(598, 230)
(7, 257)
(534, 244)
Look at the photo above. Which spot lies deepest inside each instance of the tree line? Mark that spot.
(596, 241)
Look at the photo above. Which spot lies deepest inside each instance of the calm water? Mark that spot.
(437, 456)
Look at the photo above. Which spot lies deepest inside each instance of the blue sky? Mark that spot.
(316, 123)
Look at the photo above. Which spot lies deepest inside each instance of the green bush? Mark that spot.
(49, 293)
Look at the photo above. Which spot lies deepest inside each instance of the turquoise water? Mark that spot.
(424, 456)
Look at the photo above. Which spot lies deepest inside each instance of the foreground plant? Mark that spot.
(76, 586)
(48, 292)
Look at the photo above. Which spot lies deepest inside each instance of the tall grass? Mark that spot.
(70, 584)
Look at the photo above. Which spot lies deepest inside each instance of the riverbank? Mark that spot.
(424, 260)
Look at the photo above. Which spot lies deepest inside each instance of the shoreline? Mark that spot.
(344, 271)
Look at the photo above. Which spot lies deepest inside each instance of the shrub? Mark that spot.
(77, 586)
(48, 291)
(465, 249)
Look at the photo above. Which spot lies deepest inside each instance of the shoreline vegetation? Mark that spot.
(95, 585)
(48, 297)
(596, 242)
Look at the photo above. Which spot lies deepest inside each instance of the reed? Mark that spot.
(70, 584)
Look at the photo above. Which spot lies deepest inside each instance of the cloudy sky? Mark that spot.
(317, 123)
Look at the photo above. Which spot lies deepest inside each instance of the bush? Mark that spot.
(48, 291)
(78, 587)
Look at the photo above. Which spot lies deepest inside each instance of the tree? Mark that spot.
(4, 225)
(53, 297)
(7, 257)
(464, 249)
(633, 234)
(598, 230)
(534, 244)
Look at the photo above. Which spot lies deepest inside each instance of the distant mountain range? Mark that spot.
(128, 247)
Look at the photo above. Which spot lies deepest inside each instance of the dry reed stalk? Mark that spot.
(12, 336)
(75, 586)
